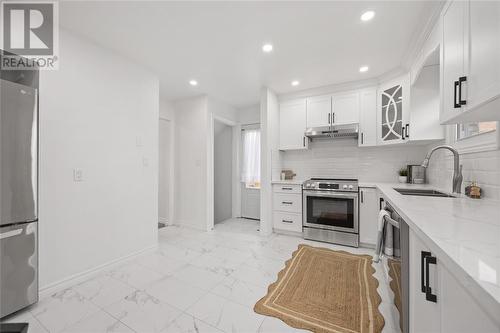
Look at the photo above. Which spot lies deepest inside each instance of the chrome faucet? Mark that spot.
(457, 168)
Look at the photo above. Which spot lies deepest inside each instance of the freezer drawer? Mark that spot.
(18, 267)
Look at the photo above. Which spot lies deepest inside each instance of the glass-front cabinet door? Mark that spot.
(393, 108)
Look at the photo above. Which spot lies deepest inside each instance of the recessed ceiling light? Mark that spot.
(363, 69)
(193, 82)
(295, 83)
(267, 48)
(367, 16)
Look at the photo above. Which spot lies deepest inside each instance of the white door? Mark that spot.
(452, 55)
(483, 78)
(250, 172)
(319, 111)
(164, 159)
(368, 118)
(293, 125)
(250, 202)
(345, 108)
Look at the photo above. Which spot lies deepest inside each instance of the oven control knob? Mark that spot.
(344, 187)
(313, 185)
(308, 185)
(351, 187)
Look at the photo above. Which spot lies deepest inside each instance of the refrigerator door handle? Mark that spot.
(11, 233)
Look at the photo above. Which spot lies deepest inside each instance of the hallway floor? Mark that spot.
(195, 282)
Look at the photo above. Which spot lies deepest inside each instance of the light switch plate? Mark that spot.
(77, 175)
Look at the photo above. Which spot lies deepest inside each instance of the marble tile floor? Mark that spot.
(195, 282)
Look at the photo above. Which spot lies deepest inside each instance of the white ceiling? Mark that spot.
(219, 43)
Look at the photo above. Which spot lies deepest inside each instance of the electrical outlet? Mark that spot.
(78, 175)
(138, 141)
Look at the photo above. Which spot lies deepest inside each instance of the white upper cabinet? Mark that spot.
(319, 111)
(338, 109)
(368, 118)
(453, 51)
(470, 61)
(392, 111)
(293, 125)
(345, 108)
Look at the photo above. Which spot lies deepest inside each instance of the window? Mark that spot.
(474, 137)
(250, 174)
(465, 131)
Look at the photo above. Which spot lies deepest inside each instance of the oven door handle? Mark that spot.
(349, 195)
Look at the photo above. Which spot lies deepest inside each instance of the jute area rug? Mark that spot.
(322, 290)
(395, 274)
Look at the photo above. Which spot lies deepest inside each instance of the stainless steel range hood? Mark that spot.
(333, 131)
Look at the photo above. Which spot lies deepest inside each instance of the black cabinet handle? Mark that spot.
(428, 290)
(362, 199)
(381, 203)
(407, 130)
(423, 255)
(287, 203)
(287, 221)
(461, 80)
(333, 118)
(362, 138)
(287, 188)
(455, 104)
(329, 118)
(304, 141)
(403, 133)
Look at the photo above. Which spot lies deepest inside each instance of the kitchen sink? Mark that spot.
(422, 192)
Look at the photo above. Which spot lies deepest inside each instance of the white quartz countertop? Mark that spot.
(463, 233)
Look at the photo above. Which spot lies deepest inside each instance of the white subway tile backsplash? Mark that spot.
(482, 167)
(344, 159)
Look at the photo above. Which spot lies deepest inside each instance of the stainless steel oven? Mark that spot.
(330, 211)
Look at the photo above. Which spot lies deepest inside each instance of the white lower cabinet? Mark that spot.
(447, 307)
(287, 207)
(287, 221)
(425, 314)
(368, 212)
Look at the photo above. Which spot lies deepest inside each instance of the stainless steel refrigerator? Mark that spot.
(18, 190)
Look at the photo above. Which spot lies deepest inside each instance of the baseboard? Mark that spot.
(288, 233)
(85, 275)
(367, 245)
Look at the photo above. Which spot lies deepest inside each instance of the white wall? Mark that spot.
(248, 115)
(223, 151)
(270, 156)
(166, 109)
(99, 113)
(344, 159)
(191, 182)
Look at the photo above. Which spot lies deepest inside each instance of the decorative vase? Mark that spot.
(402, 179)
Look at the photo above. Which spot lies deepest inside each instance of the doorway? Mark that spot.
(165, 144)
(250, 175)
(223, 171)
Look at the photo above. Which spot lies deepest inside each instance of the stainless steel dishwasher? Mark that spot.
(401, 254)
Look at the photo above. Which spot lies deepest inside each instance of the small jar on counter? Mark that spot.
(473, 191)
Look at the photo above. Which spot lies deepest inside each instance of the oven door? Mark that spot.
(331, 210)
